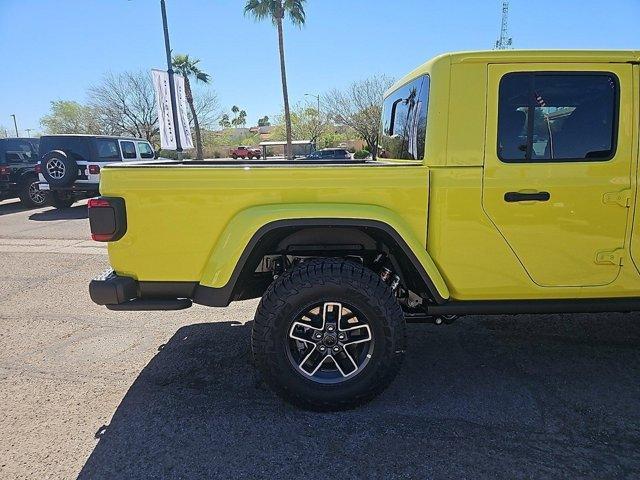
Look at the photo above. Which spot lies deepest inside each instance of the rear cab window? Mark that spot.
(18, 150)
(77, 148)
(107, 149)
(557, 117)
(404, 121)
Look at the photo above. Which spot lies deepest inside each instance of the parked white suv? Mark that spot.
(70, 165)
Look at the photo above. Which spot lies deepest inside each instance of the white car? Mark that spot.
(70, 165)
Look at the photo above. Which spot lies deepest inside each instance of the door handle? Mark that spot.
(526, 197)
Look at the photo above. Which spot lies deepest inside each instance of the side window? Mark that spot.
(128, 150)
(19, 151)
(404, 121)
(145, 150)
(107, 149)
(551, 117)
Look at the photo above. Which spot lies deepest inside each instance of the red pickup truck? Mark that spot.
(245, 152)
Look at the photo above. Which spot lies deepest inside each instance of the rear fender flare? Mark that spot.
(245, 230)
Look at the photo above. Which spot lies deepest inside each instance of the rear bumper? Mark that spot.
(125, 293)
(74, 187)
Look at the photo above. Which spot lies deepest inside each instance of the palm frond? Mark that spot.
(295, 10)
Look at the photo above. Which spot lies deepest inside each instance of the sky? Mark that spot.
(57, 49)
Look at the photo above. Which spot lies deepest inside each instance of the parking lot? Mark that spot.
(97, 394)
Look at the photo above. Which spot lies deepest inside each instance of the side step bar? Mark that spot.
(140, 304)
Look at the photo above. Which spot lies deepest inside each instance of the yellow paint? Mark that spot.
(188, 223)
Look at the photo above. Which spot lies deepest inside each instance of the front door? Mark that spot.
(557, 168)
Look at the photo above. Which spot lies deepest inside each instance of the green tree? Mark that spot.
(359, 107)
(188, 68)
(239, 118)
(306, 124)
(71, 117)
(224, 121)
(276, 10)
(264, 121)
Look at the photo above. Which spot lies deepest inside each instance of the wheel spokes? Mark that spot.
(329, 342)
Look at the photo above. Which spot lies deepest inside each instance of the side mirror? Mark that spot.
(155, 154)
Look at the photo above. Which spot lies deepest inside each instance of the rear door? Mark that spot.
(557, 170)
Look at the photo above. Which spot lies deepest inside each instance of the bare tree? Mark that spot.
(207, 109)
(359, 107)
(126, 104)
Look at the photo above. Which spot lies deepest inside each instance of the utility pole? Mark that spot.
(505, 41)
(15, 124)
(28, 130)
(172, 87)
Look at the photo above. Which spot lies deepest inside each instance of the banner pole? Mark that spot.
(172, 87)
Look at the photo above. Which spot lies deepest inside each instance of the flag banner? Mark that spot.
(164, 104)
(186, 141)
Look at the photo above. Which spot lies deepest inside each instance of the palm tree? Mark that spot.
(276, 11)
(188, 67)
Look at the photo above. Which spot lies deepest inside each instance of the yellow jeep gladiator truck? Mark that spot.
(506, 183)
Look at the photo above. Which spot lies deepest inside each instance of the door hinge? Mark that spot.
(610, 257)
(622, 198)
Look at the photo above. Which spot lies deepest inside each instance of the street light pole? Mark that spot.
(172, 87)
(317, 97)
(28, 130)
(15, 124)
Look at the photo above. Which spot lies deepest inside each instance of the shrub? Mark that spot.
(360, 154)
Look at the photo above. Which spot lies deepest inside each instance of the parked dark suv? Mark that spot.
(70, 165)
(18, 157)
(330, 154)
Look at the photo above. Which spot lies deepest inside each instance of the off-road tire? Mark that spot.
(61, 200)
(66, 169)
(330, 280)
(26, 196)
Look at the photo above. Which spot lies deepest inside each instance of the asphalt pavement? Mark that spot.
(89, 393)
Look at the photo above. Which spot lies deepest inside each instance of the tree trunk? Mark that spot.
(196, 124)
(285, 92)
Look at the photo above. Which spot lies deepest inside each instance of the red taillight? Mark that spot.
(102, 220)
(98, 203)
(94, 169)
(38, 168)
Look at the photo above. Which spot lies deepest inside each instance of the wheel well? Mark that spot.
(364, 240)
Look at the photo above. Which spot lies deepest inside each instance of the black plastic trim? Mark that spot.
(153, 304)
(514, 307)
(222, 297)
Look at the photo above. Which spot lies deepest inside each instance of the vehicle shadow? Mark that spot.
(12, 207)
(73, 213)
(488, 397)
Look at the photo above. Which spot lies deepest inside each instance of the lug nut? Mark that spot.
(330, 328)
(336, 349)
(318, 335)
(322, 348)
(341, 336)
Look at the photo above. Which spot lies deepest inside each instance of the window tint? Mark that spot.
(76, 148)
(107, 149)
(19, 151)
(128, 150)
(145, 150)
(404, 121)
(557, 117)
